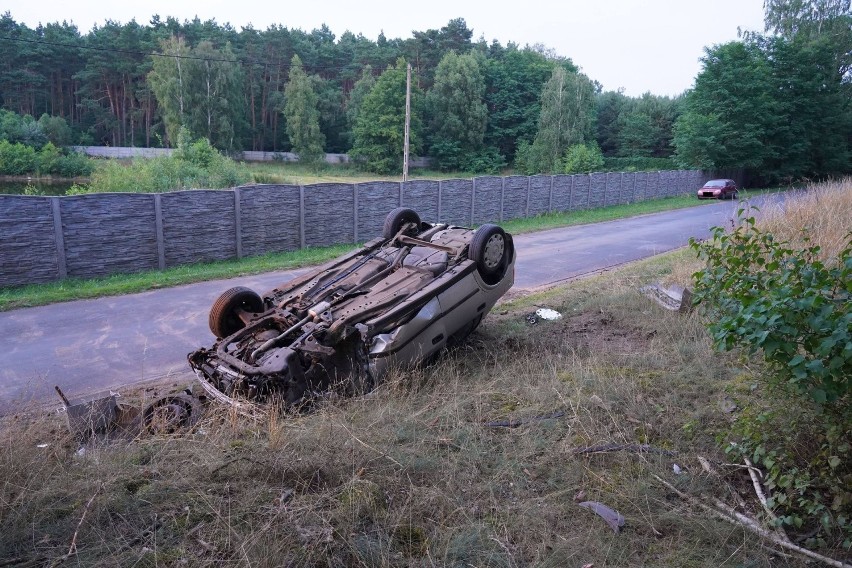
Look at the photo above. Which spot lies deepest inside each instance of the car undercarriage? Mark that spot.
(395, 301)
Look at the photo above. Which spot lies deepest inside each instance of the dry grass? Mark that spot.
(823, 210)
(410, 475)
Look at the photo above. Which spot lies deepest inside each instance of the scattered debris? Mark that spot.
(100, 414)
(634, 448)
(727, 405)
(521, 421)
(676, 469)
(674, 298)
(170, 413)
(548, 314)
(545, 314)
(580, 496)
(93, 414)
(613, 518)
(42, 445)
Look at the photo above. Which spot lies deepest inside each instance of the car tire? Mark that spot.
(223, 319)
(491, 250)
(396, 219)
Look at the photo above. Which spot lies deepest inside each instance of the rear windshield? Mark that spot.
(715, 183)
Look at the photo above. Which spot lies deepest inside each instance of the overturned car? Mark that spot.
(396, 301)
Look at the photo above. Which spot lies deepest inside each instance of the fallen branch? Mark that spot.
(633, 448)
(727, 513)
(522, 421)
(761, 496)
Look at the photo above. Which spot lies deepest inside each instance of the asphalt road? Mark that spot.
(91, 345)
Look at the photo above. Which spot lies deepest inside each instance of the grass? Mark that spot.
(823, 210)
(411, 475)
(300, 174)
(78, 289)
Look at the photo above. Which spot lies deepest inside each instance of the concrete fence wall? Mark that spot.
(49, 238)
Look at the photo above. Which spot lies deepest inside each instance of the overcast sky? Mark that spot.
(638, 45)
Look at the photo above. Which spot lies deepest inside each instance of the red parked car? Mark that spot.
(719, 189)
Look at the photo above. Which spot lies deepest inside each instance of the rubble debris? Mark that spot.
(172, 412)
(674, 298)
(91, 414)
(548, 314)
(613, 518)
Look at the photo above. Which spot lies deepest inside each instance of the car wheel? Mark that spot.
(397, 218)
(224, 320)
(491, 251)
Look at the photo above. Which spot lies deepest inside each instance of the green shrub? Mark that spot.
(486, 161)
(765, 296)
(74, 164)
(194, 165)
(16, 159)
(783, 303)
(583, 159)
(47, 159)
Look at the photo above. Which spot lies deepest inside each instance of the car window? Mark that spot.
(715, 183)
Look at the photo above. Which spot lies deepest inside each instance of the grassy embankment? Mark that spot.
(413, 475)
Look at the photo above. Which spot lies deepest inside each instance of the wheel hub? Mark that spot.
(494, 251)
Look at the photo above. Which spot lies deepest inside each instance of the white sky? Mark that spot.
(640, 45)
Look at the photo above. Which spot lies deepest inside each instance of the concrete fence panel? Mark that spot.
(641, 186)
(486, 206)
(374, 200)
(28, 247)
(269, 219)
(456, 201)
(561, 193)
(612, 191)
(581, 192)
(199, 226)
(327, 214)
(597, 190)
(108, 233)
(539, 198)
(515, 191)
(422, 196)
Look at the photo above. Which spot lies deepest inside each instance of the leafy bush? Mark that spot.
(74, 164)
(194, 165)
(47, 159)
(486, 161)
(16, 159)
(583, 159)
(55, 129)
(786, 303)
(765, 296)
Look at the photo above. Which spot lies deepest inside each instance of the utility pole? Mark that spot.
(407, 121)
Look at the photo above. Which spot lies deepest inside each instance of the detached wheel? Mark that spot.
(224, 319)
(491, 251)
(397, 218)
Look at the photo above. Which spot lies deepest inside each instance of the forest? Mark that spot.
(775, 103)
